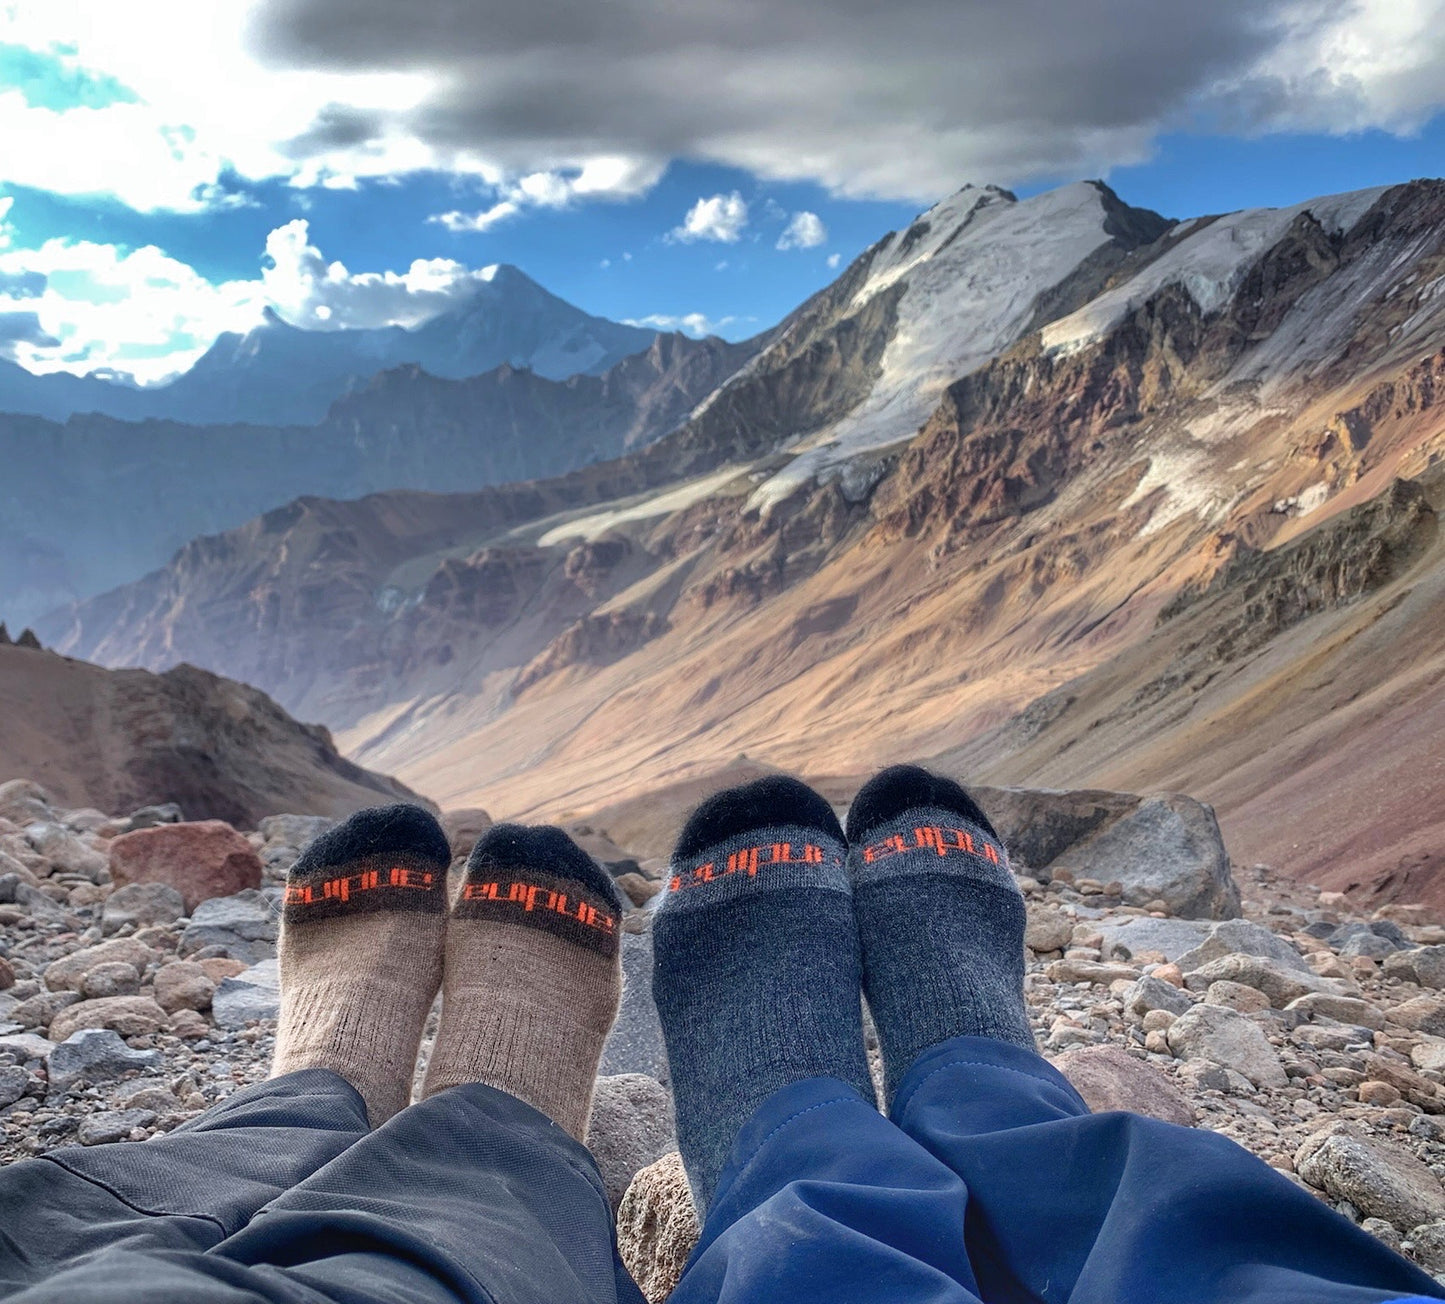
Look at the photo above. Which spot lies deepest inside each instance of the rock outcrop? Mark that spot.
(122, 739)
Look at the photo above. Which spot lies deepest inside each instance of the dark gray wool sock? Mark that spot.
(756, 966)
(940, 918)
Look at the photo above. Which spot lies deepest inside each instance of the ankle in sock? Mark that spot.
(756, 968)
(533, 975)
(940, 918)
(361, 952)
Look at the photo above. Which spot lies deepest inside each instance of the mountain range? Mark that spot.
(280, 374)
(93, 502)
(1052, 490)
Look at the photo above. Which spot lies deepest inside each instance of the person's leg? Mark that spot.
(483, 1192)
(473, 1195)
(187, 1190)
(1119, 1209)
(1062, 1204)
(361, 961)
(810, 1194)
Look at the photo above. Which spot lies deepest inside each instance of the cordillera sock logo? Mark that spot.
(749, 861)
(343, 887)
(562, 906)
(931, 838)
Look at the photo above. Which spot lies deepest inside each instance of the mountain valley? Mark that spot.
(1049, 490)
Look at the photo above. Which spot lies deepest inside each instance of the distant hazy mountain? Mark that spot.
(94, 502)
(278, 374)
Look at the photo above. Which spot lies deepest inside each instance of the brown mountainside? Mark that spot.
(1146, 532)
(117, 740)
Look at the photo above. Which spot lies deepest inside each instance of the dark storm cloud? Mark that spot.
(337, 126)
(909, 98)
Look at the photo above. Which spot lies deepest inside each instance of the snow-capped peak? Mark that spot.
(972, 269)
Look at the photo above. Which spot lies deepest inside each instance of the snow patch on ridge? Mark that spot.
(591, 527)
(1209, 264)
(1182, 472)
(973, 268)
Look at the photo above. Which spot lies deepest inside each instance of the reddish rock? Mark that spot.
(200, 860)
(184, 985)
(220, 967)
(7, 974)
(131, 1016)
(1110, 1078)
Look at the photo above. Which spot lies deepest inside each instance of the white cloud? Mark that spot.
(696, 324)
(308, 291)
(81, 306)
(805, 231)
(604, 178)
(138, 311)
(462, 223)
(834, 260)
(720, 218)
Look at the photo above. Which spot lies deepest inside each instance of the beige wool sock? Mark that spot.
(362, 933)
(533, 976)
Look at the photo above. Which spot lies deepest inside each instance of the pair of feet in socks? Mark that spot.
(774, 921)
(526, 955)
(776, 918)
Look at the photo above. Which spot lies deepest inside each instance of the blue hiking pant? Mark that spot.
(992, 1182)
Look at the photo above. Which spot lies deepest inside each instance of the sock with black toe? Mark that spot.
(755, 964)
(361, 952)
(940, 918)
(533, 975)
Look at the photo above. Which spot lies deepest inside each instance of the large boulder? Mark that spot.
(1379, 1179)
(1133, 935)
(1110, 1078)
(130, 1016)
(139, 905)
(69, 974)
(1278, 982)
(1227, 1038)
(657, 1227)
(1424, 965)
(1421, 1013)
(631, 1127)
(1241, 937)
(1164, 847)
(67, 853)
(23, 802)
(245, 926)
(200, 860)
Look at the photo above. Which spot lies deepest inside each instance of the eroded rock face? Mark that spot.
(200, 860)
(125, 739)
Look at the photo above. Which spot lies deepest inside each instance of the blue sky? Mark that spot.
(145, 207)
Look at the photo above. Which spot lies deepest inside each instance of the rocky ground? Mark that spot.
(138, 987)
